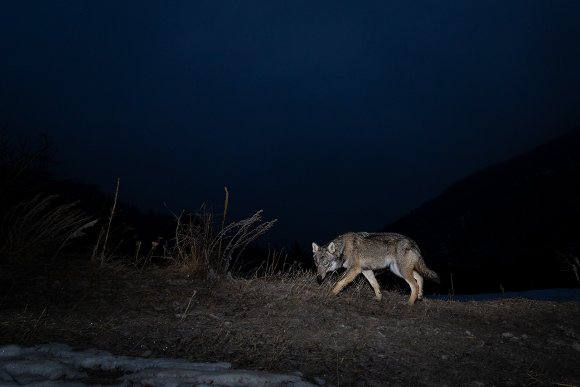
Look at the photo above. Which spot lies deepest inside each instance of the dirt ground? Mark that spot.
(293, 324)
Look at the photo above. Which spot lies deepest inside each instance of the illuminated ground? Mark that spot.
(290, 325)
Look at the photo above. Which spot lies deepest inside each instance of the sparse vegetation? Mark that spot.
(40, 228)
(202, 242)
(199, 247)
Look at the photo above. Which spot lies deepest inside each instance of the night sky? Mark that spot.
(332, 116)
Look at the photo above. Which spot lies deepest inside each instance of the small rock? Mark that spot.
(576, 346)
(227, 323)
(319, 381)
(444, 357)
(507, 335)
(524, 336)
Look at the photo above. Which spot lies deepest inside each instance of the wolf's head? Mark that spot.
(326, 259)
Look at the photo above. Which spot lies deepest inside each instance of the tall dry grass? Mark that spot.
(200, 245)
(40, 228)
(205, 244)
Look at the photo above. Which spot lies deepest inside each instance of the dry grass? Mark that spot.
(203, 243)
(201, 247)
(40, 228)
(290, 323)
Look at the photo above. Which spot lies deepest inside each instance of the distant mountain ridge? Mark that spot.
(505, 226)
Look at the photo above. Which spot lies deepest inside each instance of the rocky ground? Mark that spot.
(290, 324)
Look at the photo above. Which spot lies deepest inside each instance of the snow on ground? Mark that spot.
(558, 294)
(58, 365)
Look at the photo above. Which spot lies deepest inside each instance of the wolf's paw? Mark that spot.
(378, 297)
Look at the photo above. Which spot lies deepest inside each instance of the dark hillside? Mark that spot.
(506, 226)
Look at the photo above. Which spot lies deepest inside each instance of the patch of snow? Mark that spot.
(557, 294)
(57, 364)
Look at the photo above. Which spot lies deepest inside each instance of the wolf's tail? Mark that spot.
(422, 269)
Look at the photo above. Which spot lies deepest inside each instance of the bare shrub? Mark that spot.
(201, 247)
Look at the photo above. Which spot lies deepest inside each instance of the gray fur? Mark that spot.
(362, 252)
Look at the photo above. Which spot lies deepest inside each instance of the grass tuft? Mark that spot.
(38, 227)
(201, 247)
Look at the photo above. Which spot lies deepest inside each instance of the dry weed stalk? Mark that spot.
(226, 203)
(106, 234)
(142, 261)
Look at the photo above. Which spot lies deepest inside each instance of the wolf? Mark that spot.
(362, 252)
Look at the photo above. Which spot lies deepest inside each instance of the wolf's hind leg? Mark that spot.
(370, 276)
(348, 278)
(419, 280)
(408, 276)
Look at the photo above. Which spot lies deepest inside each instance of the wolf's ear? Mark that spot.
(314, 247)
(331, 248)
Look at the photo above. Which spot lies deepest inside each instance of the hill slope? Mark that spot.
(289, 324)
(505, 226)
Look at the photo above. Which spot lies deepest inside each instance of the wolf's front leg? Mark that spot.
(373, 281)
(348, 278)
